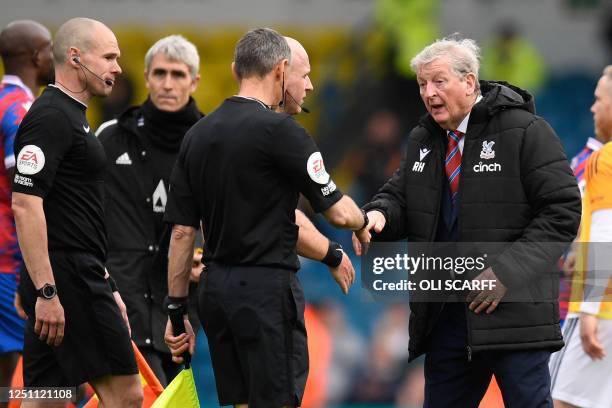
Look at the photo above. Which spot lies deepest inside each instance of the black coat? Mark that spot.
(531, 198)
(138, 173)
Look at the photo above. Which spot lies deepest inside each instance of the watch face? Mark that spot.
(48, 291)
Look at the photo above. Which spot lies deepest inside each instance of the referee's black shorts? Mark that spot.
(254, 320)
(96, 340)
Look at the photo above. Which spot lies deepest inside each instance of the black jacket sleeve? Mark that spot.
(553, 194)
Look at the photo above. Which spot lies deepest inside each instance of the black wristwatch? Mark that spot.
(48, 291)
(366, 220)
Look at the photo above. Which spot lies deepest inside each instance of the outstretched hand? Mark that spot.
(362, 237)
(344, 274)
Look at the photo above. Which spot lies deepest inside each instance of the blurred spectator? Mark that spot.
(411, 25)
(320, 352)
(411, 393)
(119, 100)
(348, 349)
(378, 155)
(607, 30)
(380, 377)
(510, 57)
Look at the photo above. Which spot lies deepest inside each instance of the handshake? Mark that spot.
(362, 237)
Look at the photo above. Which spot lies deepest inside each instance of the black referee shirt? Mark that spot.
(60, 159)
(240, 170)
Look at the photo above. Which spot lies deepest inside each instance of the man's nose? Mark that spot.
(167, 82)
(309, 86)
(430, 90)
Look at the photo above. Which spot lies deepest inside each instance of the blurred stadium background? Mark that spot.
(364, 103)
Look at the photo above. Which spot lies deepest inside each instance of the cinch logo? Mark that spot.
(493, 167)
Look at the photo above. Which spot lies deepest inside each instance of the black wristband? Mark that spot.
(113, 284)
(333, 258)
(366, 220)
(175, 304)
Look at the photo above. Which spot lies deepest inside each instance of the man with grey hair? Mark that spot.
(77, 329)
(141, 146)
(239, 174)
(481, 167)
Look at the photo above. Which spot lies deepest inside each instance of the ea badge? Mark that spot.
(30, 160)
(316, 168)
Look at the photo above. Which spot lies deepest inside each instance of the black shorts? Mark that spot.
(254, 320)
(96, 340)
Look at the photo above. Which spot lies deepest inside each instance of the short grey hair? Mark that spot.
(77, 32)
(258, 52)
(175, 48)
(464, 55)
(607, 75)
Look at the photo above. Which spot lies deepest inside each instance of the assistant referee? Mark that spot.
(76, 330)
(240, 171)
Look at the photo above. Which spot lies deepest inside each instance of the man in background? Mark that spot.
(582, 368)
(141, 147)
(26, 51)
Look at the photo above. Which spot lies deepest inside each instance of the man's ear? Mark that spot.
(194, 83)
(470, 79)
(36, 58)
(281, 68)
(74, 58)
(146, 77)
(234, 73)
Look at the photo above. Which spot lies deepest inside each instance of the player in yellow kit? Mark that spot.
(583, 378)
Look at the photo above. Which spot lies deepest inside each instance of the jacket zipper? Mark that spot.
(467, 316)
(437, 219)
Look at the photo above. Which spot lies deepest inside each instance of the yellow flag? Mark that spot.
(181, 392)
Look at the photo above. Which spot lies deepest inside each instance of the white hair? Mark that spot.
(175, 48)
(464, 55)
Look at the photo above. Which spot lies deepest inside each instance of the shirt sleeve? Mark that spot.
(299, 158)
(182, 208)
(42, 141)
(10, 124)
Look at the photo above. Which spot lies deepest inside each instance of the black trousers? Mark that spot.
(453, 381)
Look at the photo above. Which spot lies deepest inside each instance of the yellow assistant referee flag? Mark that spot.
(181, 392)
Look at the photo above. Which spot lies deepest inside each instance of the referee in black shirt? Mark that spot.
(77, 329)
(239, 172)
